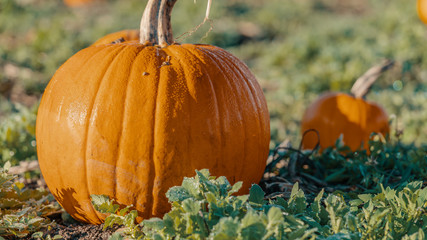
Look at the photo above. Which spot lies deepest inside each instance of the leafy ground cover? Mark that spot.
(304, 195)
(204, 208)
(24, 211)
(346, 195)
(297, 49)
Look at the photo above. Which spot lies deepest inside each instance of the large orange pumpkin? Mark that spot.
(422, 10)
(336, 114)
(132, 119)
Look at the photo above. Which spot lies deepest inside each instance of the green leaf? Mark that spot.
(192, 188)
(275, 215)
(351, 222)
(18, 226)
(226, 229)
(243, 198)
(203, 177)
(34, 221)
(297, 233)
(297, 201)
(253, 226)
(319, 195)
(109, 221)
(281, 202)
(177, 194)
(365, 197)
(389, 193)
(236, 187)
(224, 186)
(256, 195)
(210, 197)
(413, 186)
(156, 224)
(356, 202)
(191, 206)
(295, 190)
(125, 210)
(129, 219)
(34, 235)
(23, 212)
(422, 197)
(204, 174)
(101, 203)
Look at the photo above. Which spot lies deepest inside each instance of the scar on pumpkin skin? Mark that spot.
(120, 40)
(167, 62)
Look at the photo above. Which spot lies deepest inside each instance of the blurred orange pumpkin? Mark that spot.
(132, 119)
(422, 10)
(336, 114)
(79, 3)
(120, 36)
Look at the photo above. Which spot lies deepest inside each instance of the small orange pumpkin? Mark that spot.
(79, 3)
(422, 10)
(132, 119)
(336, 114)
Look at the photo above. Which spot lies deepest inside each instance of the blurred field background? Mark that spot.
(296, 48)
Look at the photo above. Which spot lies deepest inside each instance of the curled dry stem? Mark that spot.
(206, 19)
(363, 83)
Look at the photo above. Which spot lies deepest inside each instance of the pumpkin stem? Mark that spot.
(155, 25)
(165, 36)
(148, 27)
(363, 83)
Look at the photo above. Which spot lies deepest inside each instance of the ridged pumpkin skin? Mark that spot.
(130, 121)
(422, 10)
(334, 114)
(124, 35)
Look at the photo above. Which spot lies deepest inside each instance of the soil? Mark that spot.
(81, 231)
(73, 230)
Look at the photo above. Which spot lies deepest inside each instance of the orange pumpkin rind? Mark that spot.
(130, 120)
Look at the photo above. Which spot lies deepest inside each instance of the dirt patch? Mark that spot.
(75, 231)
(81, 231)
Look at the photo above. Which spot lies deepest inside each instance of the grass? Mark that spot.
(297, 49)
